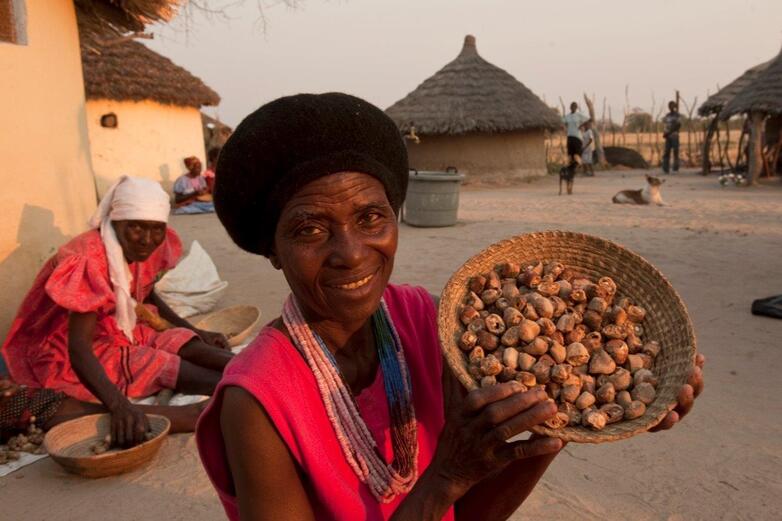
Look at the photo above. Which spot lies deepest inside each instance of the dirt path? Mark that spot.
(720, 248)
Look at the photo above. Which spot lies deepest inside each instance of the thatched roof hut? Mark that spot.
(758, 94)
(715, 102)
(216, 133)
(143, 112)
(99, 19)
(476, 117)
(763, 93)
(129, 71)
(472, 95)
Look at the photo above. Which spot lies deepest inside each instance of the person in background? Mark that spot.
(573, 123)
(191, 192)
(93, 327)
(672, 122)
(211, 166)
(588, 150)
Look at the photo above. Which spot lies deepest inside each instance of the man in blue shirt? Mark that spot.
(672, 122)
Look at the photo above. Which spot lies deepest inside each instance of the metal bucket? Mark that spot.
(432, 198)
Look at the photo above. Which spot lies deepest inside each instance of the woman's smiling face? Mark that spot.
(335, 242)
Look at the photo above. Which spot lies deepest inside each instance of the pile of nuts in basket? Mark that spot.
(29, 441)
(547, 325)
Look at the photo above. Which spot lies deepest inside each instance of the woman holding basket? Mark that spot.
(342, 407)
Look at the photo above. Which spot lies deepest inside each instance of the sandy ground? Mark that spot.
(720, 247)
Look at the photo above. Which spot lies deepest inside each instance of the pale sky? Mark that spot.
(381, 50)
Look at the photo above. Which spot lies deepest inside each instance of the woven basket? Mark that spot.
(235, 322)
(70, 444)
(666, 320)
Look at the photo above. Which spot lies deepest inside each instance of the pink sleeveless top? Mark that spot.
(273, 371)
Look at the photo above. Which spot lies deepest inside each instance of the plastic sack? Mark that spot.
(194, 286)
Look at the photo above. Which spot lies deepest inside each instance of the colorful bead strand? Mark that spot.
(385, 480)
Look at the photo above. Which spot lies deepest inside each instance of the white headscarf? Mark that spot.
(130, 198)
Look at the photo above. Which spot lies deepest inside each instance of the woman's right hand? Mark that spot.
(474, 444)
(128, 425)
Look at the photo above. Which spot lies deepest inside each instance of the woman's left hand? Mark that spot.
(213, 338)
(691, 390)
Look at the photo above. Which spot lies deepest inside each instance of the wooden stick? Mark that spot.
(706, 163)
(127, 37)
(601, 157)
(755, 147)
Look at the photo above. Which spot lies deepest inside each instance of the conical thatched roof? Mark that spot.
(129, 71)
(100, 19)
(763, 94)
(716, 101)
(471, 95)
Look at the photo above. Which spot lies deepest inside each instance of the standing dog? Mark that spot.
(567, 174)
(648, 195)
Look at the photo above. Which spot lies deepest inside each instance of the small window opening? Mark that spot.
(13, 22)
(108, 120)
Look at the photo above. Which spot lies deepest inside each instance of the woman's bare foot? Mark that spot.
(184, 417)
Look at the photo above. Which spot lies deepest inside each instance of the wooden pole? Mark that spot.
(755, 147)
(706, 161)
(601, 156)
(726, 146)
(740, 155)
(611, 125)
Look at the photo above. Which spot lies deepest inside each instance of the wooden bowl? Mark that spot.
(666, 320)
(70, 444)
(235, 322)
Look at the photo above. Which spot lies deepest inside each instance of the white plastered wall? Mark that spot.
(483, 157)
(48, 191)
(151, 140)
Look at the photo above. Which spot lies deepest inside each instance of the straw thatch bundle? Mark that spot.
(471, 95)
(129, 71)
(716, 101)
(99, 19)
(763, 94)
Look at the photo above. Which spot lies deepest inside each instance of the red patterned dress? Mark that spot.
(76, 279)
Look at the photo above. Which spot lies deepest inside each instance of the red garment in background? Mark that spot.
(209, 175)
(76, 279)
(273, 371)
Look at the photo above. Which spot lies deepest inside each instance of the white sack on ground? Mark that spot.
(194, 286)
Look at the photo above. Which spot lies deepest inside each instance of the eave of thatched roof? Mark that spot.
(101, 19)
(206, 120)
(716, 101)
(762, 94)
(129, 71)
(471, 95)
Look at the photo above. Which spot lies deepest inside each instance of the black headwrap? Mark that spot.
(291, 141)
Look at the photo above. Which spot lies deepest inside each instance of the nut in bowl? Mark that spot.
(593, 323)
(81, 446)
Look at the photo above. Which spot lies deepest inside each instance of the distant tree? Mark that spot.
(639, 121)
(609, 126)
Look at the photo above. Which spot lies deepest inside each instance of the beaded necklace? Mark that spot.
(385, 480)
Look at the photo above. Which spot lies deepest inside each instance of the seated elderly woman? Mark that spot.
(90, 327)
(342, 408)
(192, 193)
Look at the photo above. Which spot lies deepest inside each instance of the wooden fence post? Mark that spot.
(601, 157)
(755, 147)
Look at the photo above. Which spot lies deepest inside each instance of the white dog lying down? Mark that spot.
(650, 194)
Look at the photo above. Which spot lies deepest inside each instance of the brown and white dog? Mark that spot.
(650, 194)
